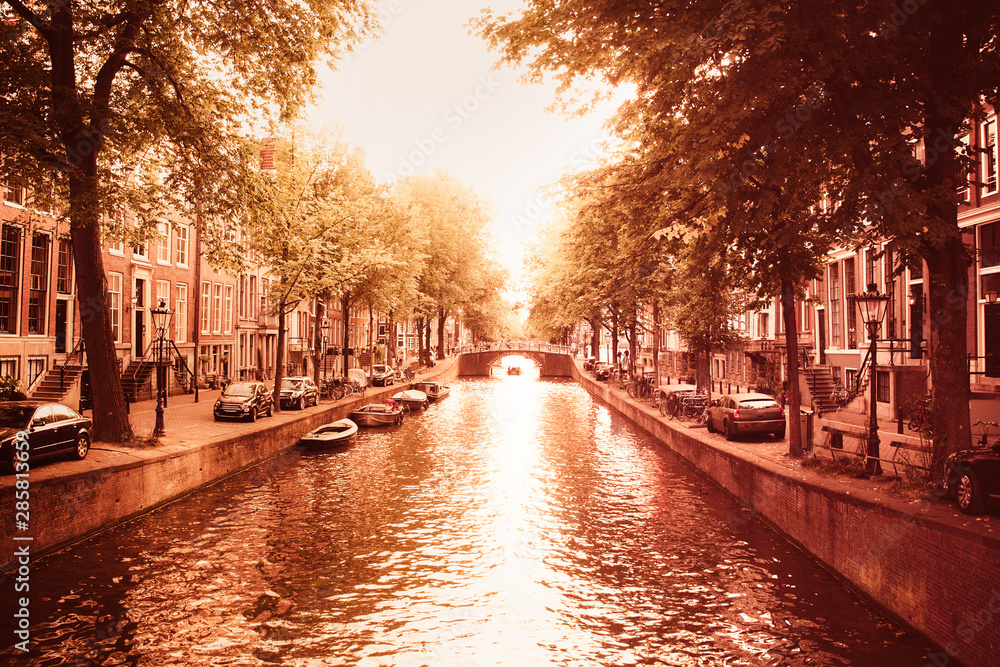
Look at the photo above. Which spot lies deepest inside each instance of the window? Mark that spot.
(764, 325)
(163, 293)
(252, 305)
(181, 236)
(882, 386)
(163, 242)
(227, 310)
(38, 288)
(217, 308)
(180, 317)
(13, 193)
(851, 288)
(963, 184)
(10, 277)
(206, 305)
(64, 270)
(36, 368)
(989, 147)
(989, 245)
(243, 297)
(115, 304)
(835, 304)
(8, 367)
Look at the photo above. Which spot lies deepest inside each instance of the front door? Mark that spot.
(991, 339)
(61, 312)
(140, 317)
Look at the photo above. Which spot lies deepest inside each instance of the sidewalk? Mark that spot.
(185, 421)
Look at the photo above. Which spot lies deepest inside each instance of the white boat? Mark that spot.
(434, 390)
(411, 399)
(377, 414)
(328, 435)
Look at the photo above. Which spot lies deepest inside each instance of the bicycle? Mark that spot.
(695, 405)
(641, 388)
(920, 419)
(984, 432)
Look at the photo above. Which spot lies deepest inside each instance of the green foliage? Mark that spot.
(8, 386)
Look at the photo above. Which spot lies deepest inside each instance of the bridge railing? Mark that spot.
(516, 346)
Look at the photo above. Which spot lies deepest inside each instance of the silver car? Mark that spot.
(736, 414)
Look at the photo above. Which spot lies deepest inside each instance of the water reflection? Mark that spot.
(516, 522)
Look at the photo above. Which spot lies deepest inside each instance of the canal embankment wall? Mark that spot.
(69, 501)
(940, 579)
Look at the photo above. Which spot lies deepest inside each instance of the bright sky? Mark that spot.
(426, 96)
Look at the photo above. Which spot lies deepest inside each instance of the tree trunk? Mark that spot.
(632, 341)
(427, 347)
(442, 317)
(371, 339)
(792, 360)
(420, 341)
(110, 412)
(345, 306)
(279, 364)
(948, 285)
(320, 354)
(656, 346)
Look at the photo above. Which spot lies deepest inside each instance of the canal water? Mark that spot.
(515, 522)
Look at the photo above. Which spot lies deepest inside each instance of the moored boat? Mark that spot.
(335, 433)
(411, 399)
(377, 414)
(514, 370)
(434, 390)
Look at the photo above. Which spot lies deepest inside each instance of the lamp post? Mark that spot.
(161, 322)
(873, 307)
(991, 296)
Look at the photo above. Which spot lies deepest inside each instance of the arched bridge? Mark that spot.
(551, 359)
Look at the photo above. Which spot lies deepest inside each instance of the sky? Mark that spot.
(427, 95)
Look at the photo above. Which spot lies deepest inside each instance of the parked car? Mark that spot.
(52, 428)
(244, 400)
(972, 476)
(382, 376)
(299, 392)
(588, 365)
(602, 370)
(737, 414)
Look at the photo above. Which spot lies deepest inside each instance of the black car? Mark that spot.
(972, 476)
(602, 371)
(382, 376)
(48, 429)
(244, 400)
(299, 392)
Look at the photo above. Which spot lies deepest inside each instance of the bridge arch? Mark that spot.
(552, 360)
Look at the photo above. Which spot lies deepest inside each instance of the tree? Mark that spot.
(455, 222)
(863, 81)
(318, 197)
(143, 107)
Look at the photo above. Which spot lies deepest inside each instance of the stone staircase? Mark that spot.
(135, 377)
(56, 384)
(821, 385)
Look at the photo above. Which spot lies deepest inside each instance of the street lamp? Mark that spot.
(991, 296)
(161, 322)
(873, 307)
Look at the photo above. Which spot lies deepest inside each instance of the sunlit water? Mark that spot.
(516, 522)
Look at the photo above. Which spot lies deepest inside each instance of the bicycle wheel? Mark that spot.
(633, 389)
(665, 408)
(683, 414)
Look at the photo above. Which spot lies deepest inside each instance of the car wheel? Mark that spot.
(730, 430)
(708, 425)
(780, 435)
(971, 499)
(270, 409)
(82, 446)
(302, 403)
(253, 414)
